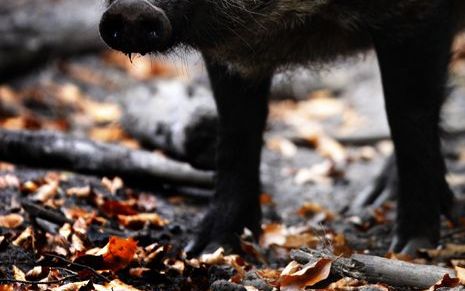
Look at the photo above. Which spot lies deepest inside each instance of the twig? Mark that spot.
(78, 265)
(57, 150)
(38, 211)
(5, 281)
(377, 269)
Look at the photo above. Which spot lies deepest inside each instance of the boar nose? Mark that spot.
(135, 26)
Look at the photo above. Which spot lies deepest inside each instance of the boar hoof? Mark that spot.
(222, 227)
(456, 213)
(410, 247)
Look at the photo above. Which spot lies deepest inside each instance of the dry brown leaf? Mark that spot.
(319, 173)
(74, 286)
(153, 252)
(216, 258)
(115, 285)
(37, 273)
(7, 167)
(283, 146)
(311, 208)
(110, 133)
(446, 281)
(137, 221)
(460, 271)
(116, 207)
(11, 220)
(101, 112)
(46, 192)
(296, 276)
(266, 199)
(271, 276)
(9, 181)
(287, 237)
(273, 234)
(56, 244)
(18, 274)
(176, 265)
(448, 251)
(7, 287)
(29, 187)
(77, 245)
(147, 202)
(81, 192)
(139, 272)
(113, 185)
(25, 239)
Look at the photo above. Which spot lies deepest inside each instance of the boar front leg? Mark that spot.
(414, 74)
(242, 104)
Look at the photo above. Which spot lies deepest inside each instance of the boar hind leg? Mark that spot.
(414, 74)
(242, 104)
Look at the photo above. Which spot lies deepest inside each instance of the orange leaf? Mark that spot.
(114, 207)
(120, 252)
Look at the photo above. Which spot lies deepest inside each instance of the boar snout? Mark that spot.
(135, 26)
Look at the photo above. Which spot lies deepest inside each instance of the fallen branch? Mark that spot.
(375, 269)
(174, 116)
(59, 281)
(81, 266)
(32, 31)
(55, 150)
(38, 211)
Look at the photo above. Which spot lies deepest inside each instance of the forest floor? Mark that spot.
(322, 149)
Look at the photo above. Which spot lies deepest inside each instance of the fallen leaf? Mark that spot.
(283, 146)
(137, 221)
(139, 272)
(266, 199)
(18, 274)
(74, 286)
(115, 207)
(115, 285)
(25, 239)
(296, 276)
(120, 253)
(46, 192)
(445, 282)
(113, 185)
(11, 220)
(9, 181)
(81, 192)
(216, 258)
(460, 271)
(310, 208)
(37, 273)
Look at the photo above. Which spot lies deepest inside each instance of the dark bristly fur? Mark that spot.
(245, 41)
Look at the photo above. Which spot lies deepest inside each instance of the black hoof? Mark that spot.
(456, 212)
(222, 226)
(382, 189)
(411, 246)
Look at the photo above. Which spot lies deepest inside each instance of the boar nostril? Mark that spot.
(152, 35)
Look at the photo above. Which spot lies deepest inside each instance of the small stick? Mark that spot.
(5, 281)
(78, 265)
(377, 269)
(56, 150)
